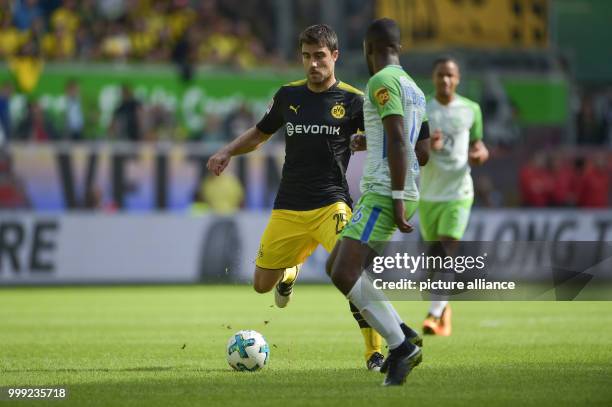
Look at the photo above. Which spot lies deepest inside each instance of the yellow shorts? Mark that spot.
(292, 236)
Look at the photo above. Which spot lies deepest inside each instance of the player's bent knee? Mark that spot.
(265, 280)
(260, 288)
(346, 269)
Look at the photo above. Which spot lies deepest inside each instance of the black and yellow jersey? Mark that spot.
(317, 128)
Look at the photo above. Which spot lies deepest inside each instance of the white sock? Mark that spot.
(398, 319)
(437, 307)
(377, 311)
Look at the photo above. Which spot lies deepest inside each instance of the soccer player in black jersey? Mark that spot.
(319, 114)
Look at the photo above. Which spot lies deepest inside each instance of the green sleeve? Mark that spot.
(385, 93)
(476, 129)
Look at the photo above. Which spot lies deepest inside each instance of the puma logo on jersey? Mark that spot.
(294, 108)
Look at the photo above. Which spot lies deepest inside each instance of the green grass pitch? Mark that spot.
(164, 346)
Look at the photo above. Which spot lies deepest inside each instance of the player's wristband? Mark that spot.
(397, 194)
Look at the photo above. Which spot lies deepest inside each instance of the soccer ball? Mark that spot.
(247, 350)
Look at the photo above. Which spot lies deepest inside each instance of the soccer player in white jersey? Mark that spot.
(394, 114)
(447, 192)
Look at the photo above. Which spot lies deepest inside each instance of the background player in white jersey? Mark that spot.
(447, 192)
(394, 111)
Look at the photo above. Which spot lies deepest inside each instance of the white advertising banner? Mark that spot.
(85, 248)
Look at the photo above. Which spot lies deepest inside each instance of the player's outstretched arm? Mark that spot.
(396, 155)
(478, 153)
(248, 141)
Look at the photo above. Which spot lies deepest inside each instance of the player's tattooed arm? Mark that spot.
(396, 156)
(248, 141)
(478, 153)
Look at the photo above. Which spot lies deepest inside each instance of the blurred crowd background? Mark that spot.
(72, 71)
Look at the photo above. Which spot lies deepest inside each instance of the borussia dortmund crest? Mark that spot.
(338, 111)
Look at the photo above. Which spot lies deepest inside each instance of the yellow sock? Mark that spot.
(373, 341)
(290, 274)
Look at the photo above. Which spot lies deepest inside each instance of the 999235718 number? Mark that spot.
(12, 393)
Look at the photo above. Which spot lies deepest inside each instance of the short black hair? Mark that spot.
(384, 32)
(443, 60)
(320, 34)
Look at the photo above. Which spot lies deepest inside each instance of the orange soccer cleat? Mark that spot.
(438, 326)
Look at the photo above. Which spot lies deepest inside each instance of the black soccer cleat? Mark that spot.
(375, 362)
(400, 366)
(412, 336)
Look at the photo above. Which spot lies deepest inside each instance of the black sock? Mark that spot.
(409, 332)
(406, 348)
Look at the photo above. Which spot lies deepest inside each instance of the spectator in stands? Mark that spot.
(565, 182)
(238, 121)
(127, 123)
(608, 121)
(180, 17)
(94, 201)
(143, 30)
(12, 191)
(142, 40)
(184, 54)
(25, 12)
(85, 44)
(223, 194)
(26, 67)
(536, 182)
(198, 206)
(5, 117)
(158, 122)
(36, 125)
(213, 129)
(111, 9)
(116, 44)
(220, 45)
(588, 125)
(593, 182)
(60, 44)
(249, 52)
(74, 119)
(10, 37)
(485, 193)
(66, 16)
(37, 34)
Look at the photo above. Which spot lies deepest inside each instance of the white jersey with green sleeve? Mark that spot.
(391, 92)
(446, 177)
